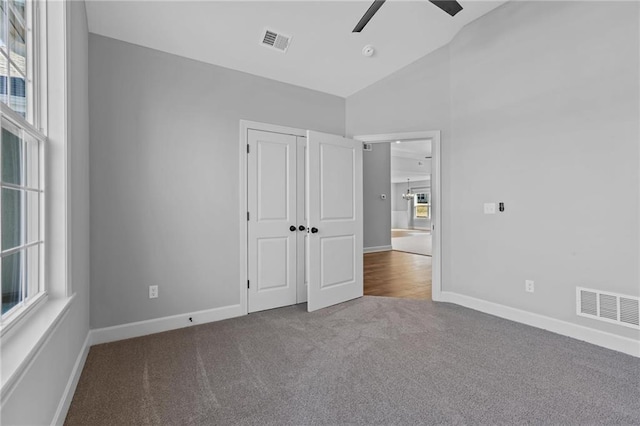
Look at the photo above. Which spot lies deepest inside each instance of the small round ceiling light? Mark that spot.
(368, 51)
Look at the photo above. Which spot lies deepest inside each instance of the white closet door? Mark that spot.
(334, 200)
(273, 227)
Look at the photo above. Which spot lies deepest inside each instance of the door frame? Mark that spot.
(436, 197)
(245, 126)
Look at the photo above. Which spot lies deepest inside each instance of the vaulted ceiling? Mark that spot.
(324, 54)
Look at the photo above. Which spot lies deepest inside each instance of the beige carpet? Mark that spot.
(411, 241)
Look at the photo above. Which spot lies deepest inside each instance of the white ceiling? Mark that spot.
(324, 54)
(411, 149)
(410, 160)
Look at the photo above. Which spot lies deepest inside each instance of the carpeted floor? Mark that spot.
(373, 361)
(411, 241)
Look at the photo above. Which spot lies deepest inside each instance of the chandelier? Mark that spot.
(408, 196)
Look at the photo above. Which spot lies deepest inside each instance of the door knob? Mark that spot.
(301, 228)
(314, 230)
(292, 228)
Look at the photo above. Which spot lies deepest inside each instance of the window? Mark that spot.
(15, 65)
(422, 206)
(21, 164)
(20, 215)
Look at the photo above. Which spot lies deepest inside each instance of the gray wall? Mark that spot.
(36, 396)
(538, 103)
(414, 98)
(376, 172)
(164, 175)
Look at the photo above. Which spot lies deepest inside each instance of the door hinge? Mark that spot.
(248, 148)
(247, 215)
(247, 283)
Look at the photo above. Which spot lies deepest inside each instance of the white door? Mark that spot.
(334, 200)
(272, 223)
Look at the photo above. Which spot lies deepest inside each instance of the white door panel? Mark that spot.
(274, 194)
(337, 165)
(273, 263)
(334, 199)
(272, 207)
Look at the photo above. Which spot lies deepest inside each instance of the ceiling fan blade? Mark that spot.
(377, 4)
(450, 6)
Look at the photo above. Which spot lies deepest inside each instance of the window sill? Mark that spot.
(24, 341)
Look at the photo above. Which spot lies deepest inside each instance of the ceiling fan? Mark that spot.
(450, 6)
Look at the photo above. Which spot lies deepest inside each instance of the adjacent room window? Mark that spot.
(422, 206)
(21, 163)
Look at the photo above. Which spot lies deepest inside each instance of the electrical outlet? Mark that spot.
(489, 208)
(153, 291)
(529, 286)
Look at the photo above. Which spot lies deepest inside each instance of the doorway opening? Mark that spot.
(401, 221)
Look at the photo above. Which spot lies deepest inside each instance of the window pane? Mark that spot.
(422, 211)
(11, 281)
(422, 198)
(12, 229)
(33, 216)
(17, 92)
(19, 6)
(3, 26)
(4, 79)
(18, 36)
(12, 154)
(33, 271)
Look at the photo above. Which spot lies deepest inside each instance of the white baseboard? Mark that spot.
(377, 249)
(158, 325)
(579, 332)
(70, 389)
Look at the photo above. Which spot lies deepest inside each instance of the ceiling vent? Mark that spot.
(275, 40)
(609, 307)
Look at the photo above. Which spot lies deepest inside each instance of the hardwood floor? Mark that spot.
(397, 274)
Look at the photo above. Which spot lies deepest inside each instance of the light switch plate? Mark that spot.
(489, 208)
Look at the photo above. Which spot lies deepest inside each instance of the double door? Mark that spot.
(304, 220)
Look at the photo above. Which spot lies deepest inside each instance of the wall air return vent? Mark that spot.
(275, 40)
(610, 307)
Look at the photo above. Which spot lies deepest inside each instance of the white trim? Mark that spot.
(436, 197)
(245, 125)
(579, 332)
(67, 396)
(21, 349)
(15, 119)
(23, 311)
(56, 158)
(376, 249)
(68, 210)
(158, 325)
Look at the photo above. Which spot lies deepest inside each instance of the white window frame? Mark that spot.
(26, 337)
(34, 125)
(416, 204)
